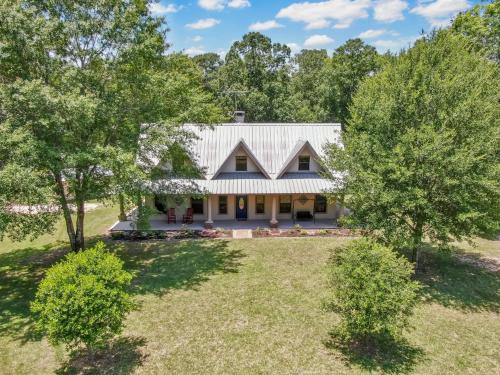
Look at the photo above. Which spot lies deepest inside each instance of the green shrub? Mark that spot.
(372, 291)
(82, 299)
(142, 221)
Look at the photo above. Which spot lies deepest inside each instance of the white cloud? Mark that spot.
(158, 9)
(317, 40)
(371, 33)
(203, 24)
(319, 24)
(211, 4)
(238, 4)
(390, 10)
(266, 25)
(344, 12)
(294, 47)
(221, 4)
(193, 51)
(394, 45)
(197, 38)
(342, 25)
(438, 13)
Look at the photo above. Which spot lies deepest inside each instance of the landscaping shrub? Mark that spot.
(82, 300)
(372, 291)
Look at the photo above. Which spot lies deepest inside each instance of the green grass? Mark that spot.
(253, 307)
(96, 223)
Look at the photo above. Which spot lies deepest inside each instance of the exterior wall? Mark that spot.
(180, 208)
(331, 209)
(230, 164)
(231, 210)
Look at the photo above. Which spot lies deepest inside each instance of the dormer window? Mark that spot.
(241, 163)
(304, 161)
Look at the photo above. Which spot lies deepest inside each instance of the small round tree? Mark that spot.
(372, 291)
(82, 300)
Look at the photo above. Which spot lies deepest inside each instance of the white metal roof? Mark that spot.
(265, 186)
(270, 144)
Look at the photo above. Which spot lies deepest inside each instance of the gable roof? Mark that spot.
(270, 144)
(301, 144)
(241, 143)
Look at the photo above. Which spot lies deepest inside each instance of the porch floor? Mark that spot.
(157, 224)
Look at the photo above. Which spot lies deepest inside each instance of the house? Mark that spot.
(258, 173)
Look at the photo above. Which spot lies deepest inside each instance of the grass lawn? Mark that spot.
(96, 222)
(252, 307)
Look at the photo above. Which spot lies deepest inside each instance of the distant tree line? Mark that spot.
(263, 79)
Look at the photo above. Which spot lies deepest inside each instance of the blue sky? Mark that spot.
(199, 26)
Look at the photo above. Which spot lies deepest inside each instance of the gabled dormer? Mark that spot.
(302, 159)
(241, 160)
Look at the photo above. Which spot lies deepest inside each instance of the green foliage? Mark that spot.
(372, 290)
(350, 64)
(255, 78)
(261, 78)
(481, 24)
(308, 86)
(77, 81)
(420, 156)
(142, 221)
(82, 299)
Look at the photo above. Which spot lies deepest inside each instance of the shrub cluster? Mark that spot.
(372, 290)
(83, 299)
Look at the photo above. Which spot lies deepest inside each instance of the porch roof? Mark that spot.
(291, 183)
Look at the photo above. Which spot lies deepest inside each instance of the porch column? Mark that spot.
(341, 211)
(274, 222)
(209, 223)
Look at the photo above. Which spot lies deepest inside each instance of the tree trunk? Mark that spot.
(416, 259)
(417, 244)
(70, 229)
(80, 216)
(122, 216)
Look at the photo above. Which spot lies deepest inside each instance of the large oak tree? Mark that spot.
(77, 80)
(420, 155)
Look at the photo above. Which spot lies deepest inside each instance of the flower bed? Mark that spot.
(301, 232)
(136, 235)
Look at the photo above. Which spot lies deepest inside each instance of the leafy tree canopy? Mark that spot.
(482, 25)
(77, 81)
(421, 149)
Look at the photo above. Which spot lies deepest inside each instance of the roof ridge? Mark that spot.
(240, 124)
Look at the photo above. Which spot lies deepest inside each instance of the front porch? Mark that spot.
(162, 225)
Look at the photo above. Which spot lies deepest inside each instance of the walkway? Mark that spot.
(242, 233)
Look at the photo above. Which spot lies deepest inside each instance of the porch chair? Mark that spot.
(171, 217)
(187, 218)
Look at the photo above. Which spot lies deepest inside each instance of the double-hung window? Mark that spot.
(285, 204)
(241, 163)
(197, 206)
(260, 201)
(222, 204)
(320, 204)
(304, 161)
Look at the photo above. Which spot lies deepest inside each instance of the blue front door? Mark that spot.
(241, 207)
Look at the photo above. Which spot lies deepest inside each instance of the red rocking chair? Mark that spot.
(171, 218)
(188, 217)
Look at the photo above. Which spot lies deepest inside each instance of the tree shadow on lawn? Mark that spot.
(389, 357)
(158, 267)
(456, 279)
(20, 272)
(161, 266)
(121, 356)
